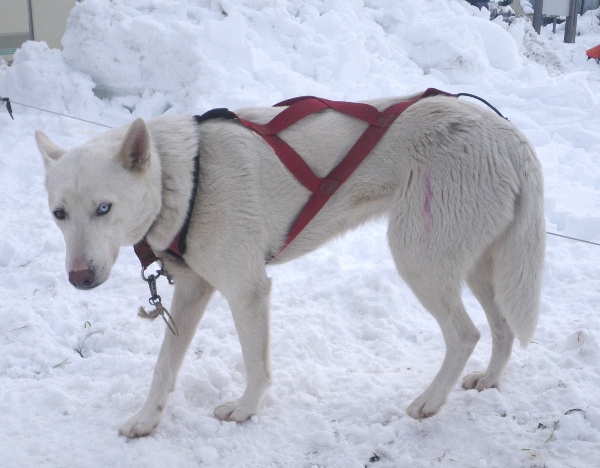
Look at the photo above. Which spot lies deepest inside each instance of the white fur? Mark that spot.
(462, 189)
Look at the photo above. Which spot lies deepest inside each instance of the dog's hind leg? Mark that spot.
(480, 283)
(250, 309)
(441, 298)
(190, 298)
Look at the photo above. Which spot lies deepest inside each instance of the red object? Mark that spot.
(144, 253)
(323, 188)
(594, 52)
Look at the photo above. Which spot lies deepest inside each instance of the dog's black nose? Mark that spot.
(82, 279)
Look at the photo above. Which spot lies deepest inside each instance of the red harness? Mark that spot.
(321, 188)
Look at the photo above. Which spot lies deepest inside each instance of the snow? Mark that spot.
(351, 346)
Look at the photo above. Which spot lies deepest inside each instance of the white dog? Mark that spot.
(462, 189)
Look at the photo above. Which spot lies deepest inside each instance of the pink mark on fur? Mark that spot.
(426, 210)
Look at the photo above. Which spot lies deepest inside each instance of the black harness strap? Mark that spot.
(178, 246)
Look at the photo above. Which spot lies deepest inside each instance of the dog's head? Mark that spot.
(102, 195)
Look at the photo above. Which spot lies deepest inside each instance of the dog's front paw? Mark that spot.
(141, 424)
(425, 405)
(479, 380)
(235, 410)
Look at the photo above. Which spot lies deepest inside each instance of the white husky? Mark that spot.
(462, 189)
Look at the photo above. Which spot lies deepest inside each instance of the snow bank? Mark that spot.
(151, 56)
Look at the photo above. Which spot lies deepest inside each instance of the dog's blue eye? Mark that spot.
(103, 209)
(59, 213)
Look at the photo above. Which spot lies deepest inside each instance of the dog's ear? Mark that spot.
(135, 152)
(50, 151)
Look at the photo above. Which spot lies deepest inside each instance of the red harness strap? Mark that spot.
(323, 188)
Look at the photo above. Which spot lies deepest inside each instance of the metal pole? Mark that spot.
(30, 8)
(537, 15)
(571, 24)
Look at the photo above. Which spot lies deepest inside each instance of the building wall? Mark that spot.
(14, 23)
(49, 23)
(50, 20)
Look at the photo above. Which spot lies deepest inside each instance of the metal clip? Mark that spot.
(155, 300)
(154, 297)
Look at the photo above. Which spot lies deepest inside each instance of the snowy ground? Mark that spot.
(351, 347)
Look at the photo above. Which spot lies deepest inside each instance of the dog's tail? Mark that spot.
(518, 257)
